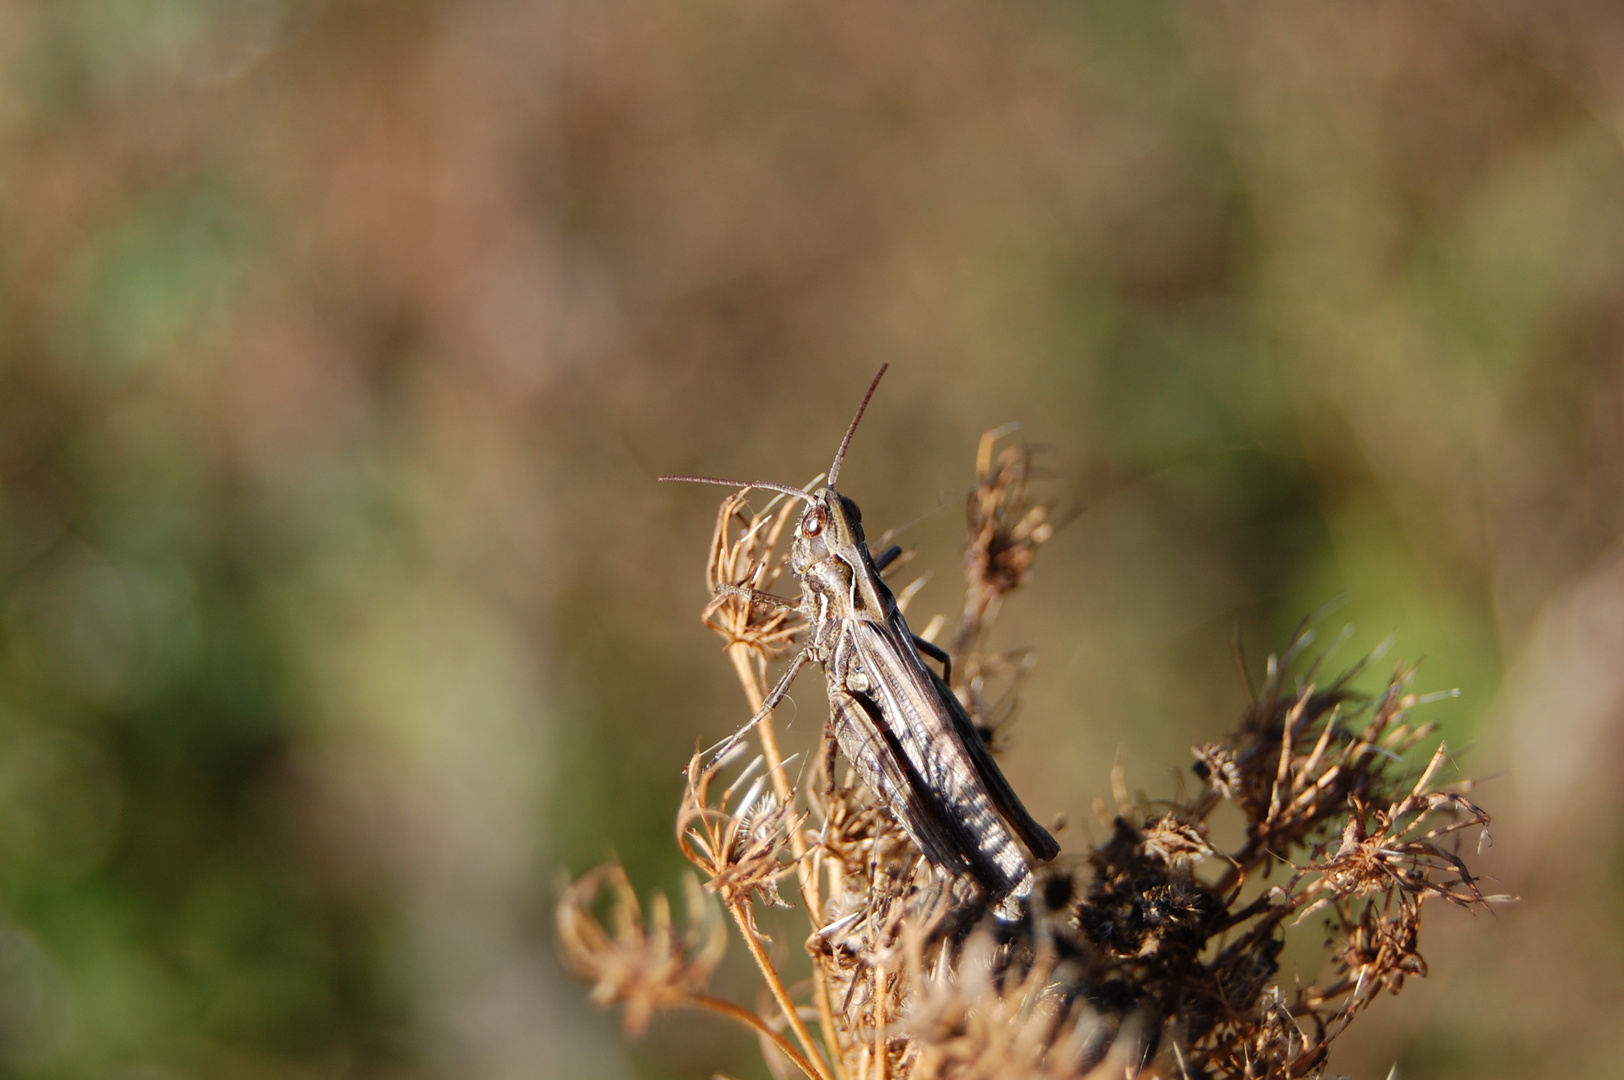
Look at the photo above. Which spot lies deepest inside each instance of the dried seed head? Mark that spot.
(1179, 844)
(744, 850)
(743, 557)
(1379, 949)
(645, 967)
(1005, 532)
(966, 1022)
(976, 1016)
(857, 835)
(1215, 763)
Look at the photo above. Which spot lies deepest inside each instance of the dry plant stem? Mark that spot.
(737, 909)
(739, 652)
(760, 1027)
(884, 984)
(755, 694)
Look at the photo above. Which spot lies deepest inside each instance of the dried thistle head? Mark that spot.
(646, 967)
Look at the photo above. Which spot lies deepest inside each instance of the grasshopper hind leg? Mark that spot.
(726, 746)
(937, 653)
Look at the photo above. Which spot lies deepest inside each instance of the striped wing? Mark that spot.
(911, 741)
(874, 751)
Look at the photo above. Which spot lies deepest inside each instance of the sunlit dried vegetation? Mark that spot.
(1156, 952)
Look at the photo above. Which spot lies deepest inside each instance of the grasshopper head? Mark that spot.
(832, 524)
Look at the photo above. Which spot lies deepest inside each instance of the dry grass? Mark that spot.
(1154, 952)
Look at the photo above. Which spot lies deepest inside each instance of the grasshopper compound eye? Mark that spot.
(812, 523)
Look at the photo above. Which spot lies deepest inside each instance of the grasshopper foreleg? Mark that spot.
(755, 596)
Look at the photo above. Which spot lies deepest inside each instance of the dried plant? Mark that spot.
(1155, 953)
(646, 969)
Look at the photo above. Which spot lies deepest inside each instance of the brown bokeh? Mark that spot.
(340, 342)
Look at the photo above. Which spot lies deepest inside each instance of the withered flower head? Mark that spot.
(1005, 534)
(973, 1016)
(1399, 848)
(741, 851)
(968, 1023)
(1179, 844)
(646, 967)
(743, 560)
(1005, 531)
(1215, 763)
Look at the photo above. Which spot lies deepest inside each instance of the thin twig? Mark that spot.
(741, 916)
(755, 694)
(760, 1027)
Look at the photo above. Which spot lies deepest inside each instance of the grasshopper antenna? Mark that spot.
(840, 455)
(745, 484)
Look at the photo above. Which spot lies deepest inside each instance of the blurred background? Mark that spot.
(341, 341)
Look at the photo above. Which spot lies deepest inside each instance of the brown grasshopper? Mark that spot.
(895, 719)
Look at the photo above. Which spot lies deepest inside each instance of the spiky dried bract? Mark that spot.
(1321, 780)
(1005, 531)
(972, 1021)
(742, 851)
(743, 561)
(646, 967)
(1005, 528)
(1157, 951)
